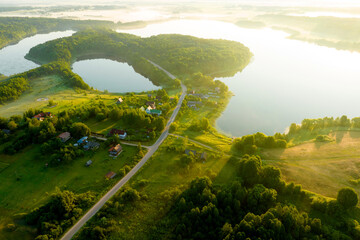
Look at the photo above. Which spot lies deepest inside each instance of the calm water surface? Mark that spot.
(105, 74)
(12, 59)
(287, 80)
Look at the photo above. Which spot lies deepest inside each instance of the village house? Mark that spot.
(88, 163)
(110, 175)
(142, 109)
(91, 145)
(150, 104)
(41, 116)
(148, 109)
(82, 140)
(193, 104)
(64, 136)
(154, 111)
(119, 101)
(119, 133)
(115, 151)
(158, 97)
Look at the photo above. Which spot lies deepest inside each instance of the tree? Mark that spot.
(12, 125)
(347, 197)
(80, 129)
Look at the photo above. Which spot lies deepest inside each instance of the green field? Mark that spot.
(164, 175)
(27, 183)
(320, 167)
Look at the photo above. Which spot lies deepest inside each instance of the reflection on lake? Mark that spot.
(12, 57)
(105, 74)
(287, 81)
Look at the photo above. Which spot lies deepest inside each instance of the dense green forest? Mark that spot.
(256, 204)
(176, 53)
(14, 86)
(13, 29)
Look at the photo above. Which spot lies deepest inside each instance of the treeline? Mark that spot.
(13, 29)
(179, 54)
(250, 143)
(13, 87)
(256, 205)
(323, 123)
(61, 212)
(340, 33)
(101, 43)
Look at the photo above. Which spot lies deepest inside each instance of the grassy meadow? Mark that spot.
(27, 183)
(164, 175)
(319, 167)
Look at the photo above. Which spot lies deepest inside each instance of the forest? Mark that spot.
(257, 204)
(182, 55)
(13, 29)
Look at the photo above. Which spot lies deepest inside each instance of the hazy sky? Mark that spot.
(261, 2)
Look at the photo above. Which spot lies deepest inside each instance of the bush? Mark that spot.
(347, 197)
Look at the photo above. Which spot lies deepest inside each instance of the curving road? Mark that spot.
(152, 149)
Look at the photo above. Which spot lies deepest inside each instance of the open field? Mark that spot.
(27, 183)
(211, 138)
(53, 88)
(323, 168)
(163, 174)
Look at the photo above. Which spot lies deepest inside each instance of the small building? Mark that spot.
(148, 109)
(149, 96)
(119, 101)
(188, 151)
(150, 104)
(64, 136)
(193, 104)
(217, 89)
(192, 92)
(91, 145)
(41, 116)
(158, 97)
(119, 133)
(82, 140)
(110, 175)
(154, 112)
(88, 163)
(203, 156)
(142, 109)
(115, 151)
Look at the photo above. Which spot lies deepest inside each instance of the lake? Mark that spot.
(287, 80)
(105, 74)
(12, 57)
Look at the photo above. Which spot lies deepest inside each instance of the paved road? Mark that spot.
(72, 231)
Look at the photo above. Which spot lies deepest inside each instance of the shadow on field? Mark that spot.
(339, 136)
